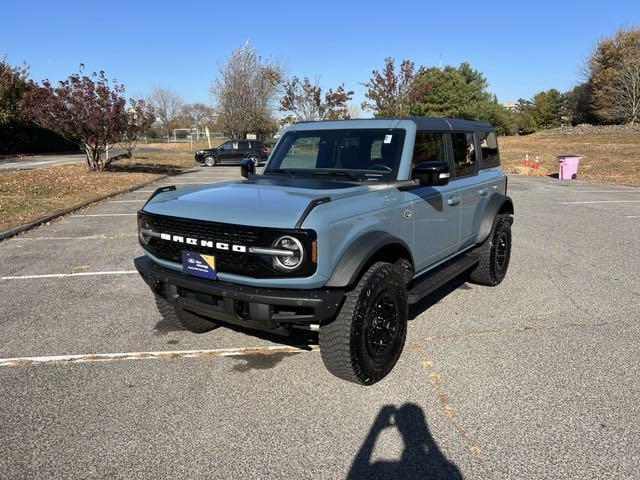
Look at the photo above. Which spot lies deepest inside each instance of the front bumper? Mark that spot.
(199, 157)
(270, 309)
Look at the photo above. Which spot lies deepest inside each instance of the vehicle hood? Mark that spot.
(278, 202)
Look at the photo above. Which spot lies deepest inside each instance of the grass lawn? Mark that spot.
(606, 157)
(31, 194)
(26, 195)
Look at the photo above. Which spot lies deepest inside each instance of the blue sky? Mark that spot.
(521, 47)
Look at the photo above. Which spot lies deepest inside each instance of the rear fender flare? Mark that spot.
(498, 203)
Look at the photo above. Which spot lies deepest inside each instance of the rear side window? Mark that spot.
(489, 147)
(243, 145)
(429, 147)
(464, 154)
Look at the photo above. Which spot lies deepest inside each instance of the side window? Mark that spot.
(302, 153)
(429, 147)
(464, 154)
(489, 147)
(243, 145)
(226, 146)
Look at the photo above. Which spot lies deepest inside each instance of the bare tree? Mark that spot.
(304, 100)
(198, 115)
(139, 116)
(625, 92)
(354, 110)
(246, 92)
(167, 106)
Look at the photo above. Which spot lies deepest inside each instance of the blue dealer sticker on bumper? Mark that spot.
(199, 265)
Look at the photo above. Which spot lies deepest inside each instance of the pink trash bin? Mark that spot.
(568, 167)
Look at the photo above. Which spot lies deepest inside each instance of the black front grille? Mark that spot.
(227, 261)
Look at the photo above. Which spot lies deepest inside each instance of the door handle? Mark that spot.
(453, 201)
(483, 191)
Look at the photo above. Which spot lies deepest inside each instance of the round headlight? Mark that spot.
(145, 231)
(291, 261)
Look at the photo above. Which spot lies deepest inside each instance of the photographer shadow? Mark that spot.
(421, 458)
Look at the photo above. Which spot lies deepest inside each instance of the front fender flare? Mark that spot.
(358, 254)
(498, 203)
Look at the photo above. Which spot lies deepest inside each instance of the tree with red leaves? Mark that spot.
(304, 100)
(87, 110)
(392, 93)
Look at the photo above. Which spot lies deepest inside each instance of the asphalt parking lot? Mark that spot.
(537, 378)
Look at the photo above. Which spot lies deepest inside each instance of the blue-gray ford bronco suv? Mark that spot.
(349, 223)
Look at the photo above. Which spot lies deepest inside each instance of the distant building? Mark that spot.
(510, 105)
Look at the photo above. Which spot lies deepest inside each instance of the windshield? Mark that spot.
(371, 154)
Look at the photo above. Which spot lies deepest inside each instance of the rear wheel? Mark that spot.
(210, 161)
(189, 321)
(494, 254)
(364, 342)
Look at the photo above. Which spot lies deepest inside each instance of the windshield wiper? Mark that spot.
(338, 173)
(285, 171)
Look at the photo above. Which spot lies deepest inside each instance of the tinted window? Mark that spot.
(489, 147)
(464, 154)
(226, 146)
(429, 147)
(243, 145)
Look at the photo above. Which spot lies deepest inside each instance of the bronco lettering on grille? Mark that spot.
(203, 243)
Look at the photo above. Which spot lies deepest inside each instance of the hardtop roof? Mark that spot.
(422, 123)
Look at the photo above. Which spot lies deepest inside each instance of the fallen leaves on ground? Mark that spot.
(27, 195)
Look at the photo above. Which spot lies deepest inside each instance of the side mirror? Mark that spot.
(431, 173)
(247, 167)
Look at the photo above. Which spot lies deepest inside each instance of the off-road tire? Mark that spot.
(210, 161)
(189, 322)
(494, 254)
(345, 343)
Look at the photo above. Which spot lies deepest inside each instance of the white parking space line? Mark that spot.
(632, 216)
(126, 201)
(104, 215)
(600, 201)
(605, 191)
(62, 275)
(158, 355)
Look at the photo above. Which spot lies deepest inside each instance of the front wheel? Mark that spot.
(494, 254)
(210, 161)
(364, 342)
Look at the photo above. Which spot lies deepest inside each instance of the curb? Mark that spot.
(12, 232)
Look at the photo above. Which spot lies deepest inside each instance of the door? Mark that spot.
(244, 150)
(436, 210)
(227, 151)
(465, 177)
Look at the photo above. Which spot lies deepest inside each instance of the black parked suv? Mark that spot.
(231, 152)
